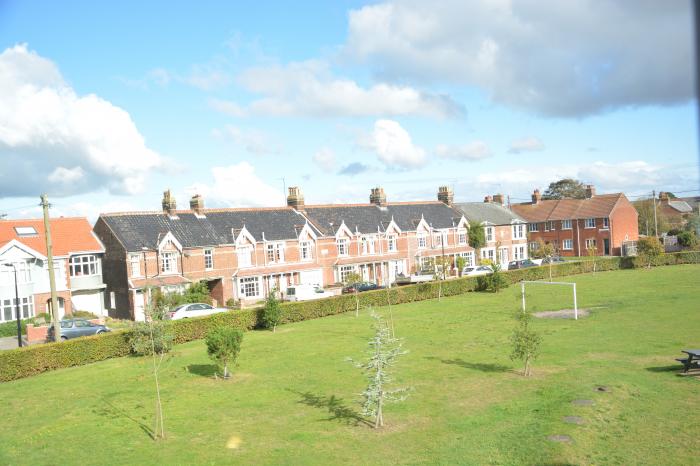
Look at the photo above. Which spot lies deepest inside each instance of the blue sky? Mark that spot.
(108, 104)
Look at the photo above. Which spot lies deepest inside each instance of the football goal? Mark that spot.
(573, 285)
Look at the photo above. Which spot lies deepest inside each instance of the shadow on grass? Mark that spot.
(336, 407)
(205, 370)
(673, 368)
(477, 366)
(111, 411)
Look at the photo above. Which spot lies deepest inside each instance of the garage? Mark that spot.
(88, 300)
(311, 277)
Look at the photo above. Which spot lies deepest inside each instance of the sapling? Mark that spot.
(383, 351)
(272, 312)
(526, 342)
(224, 346)
(350, 279)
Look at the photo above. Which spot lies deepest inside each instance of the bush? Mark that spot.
(224, 345)
(687, 239)
(233, 304)
(9, 328)
(140, 337)
(84, 315)
(271, 313)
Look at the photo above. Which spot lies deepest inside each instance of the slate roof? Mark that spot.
(488, 212)
(136, 230)
(597, 206)
(680, 206)
(370, 218)
(68, 235)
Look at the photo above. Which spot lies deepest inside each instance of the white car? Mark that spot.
(306, 293)
(185, 311)
(476, 270)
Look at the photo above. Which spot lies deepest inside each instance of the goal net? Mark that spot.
(540, 296)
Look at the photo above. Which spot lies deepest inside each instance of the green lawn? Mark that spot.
(294, 397)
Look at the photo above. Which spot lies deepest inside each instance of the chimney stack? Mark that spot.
(295, 199)
(536, 196)
(445, 195)
(663, 196)
(488, 199)
(378, 197)
(197, 204)
(590, 191)
(499, 199)
(169, 204)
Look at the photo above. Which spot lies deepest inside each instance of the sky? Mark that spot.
(104, 105)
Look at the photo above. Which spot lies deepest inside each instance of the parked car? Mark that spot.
(552, 260)
(521, 264)
(185, 311)
(306, 293)
(472, 271)
(360, 287)
(74, 328)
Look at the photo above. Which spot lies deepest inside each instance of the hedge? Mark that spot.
(28, 361)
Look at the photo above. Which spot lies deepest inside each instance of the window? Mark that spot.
(346, 270)
(462, 237)
(489, 234)
(606, 222)
(250, 287)
(518, 231)
(83, 265)
(391, 241)
(469, 259)
(275, 252)
(568, 244)
(518, 253)
(342, 244)
(503, 255)
(534, 246)
(551, 226)
(135, 265)
(24, 274)
(421, 240)
(26, 308)
(208, 259)
(590, 223)
(566, 224)
(168, 262)
(590, 243)
(25, 231)
(533, 227)
(489, 254)
(367, 245)
(305, 250)
(112, 300)
(244, 256)
(437, 240)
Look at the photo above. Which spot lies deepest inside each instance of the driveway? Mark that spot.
(9, 343)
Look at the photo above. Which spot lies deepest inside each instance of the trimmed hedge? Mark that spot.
(25, 362)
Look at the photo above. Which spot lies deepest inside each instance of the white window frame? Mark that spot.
(534, 245)
(392, 245)
(208, 259)
(275, 252)
(343, 245)
(305, 250)
(589, 223)
(344, 271)
(168, 262)
(489, 253)
(566, 224)
(135, 265)
(519, 252)
(569, 242)
(488, 231)
(462, 237)
(84, 263)
(518, 231)
(593, 241)
(8, 306)
(469, 259)
(244, 255)
(533, 227)
(249, 287)
(606, 223)
(422, 240)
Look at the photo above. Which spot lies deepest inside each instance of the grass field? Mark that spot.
(294, 399)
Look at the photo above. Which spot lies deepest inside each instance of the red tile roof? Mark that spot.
(69, 234)
(563, 209)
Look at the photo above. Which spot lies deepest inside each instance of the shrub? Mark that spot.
(159, 330)
(687, 239)
(648, 249)
(9, 328)
(233, 304)
(224, 345)
(271, 313)
(84, 315)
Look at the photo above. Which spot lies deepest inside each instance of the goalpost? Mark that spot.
(522, 292)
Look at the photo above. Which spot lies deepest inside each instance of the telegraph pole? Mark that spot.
(656, 224)
(52, 273)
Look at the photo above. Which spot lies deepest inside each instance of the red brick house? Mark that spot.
(602, 221)
(243, 254)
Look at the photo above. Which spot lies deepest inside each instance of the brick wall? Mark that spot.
(114, 272)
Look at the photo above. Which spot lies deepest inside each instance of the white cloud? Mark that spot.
(570, 59)
(474, 150)
(237, 186)
(207, 77)
(45, 127)
(253, 140)
(528, 144)
(393, 145)
(309, 89)
(325, 159)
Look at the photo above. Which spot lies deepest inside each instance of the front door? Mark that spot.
(606, 246)
(139, 314)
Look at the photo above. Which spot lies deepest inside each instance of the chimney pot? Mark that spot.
(445, 195)
(663, 196)
(378, 197)
(488, 199)
(197, 204)
(295, 198)
(536, 196)
(499, 199)
(168, 203)
(590, 191)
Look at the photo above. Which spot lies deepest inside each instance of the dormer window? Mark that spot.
(391, 240)
(342, 244)
(168, 263)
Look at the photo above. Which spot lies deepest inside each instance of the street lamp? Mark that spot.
(19, 324)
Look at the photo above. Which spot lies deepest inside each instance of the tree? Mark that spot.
(648, 249)
(224, 346)
(383, 352)
(461, 262)
(477, 237)
(687, 239)
(542, 250)
(567, 188)
(526, 342)
(592, 252)
(493, 282)
(645, 218)
(355, 278)
(272, 312)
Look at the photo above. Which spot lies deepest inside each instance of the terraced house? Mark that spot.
(573, 226)
(243, 254)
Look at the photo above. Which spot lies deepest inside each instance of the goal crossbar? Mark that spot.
(573, 285)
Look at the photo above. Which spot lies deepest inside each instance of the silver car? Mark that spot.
(74, 328)
(185, 311)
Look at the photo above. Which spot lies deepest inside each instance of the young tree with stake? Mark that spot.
(272, 312)
(354, 278)
(526, 342)
(224, 346)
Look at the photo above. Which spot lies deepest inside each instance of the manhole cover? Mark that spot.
(574, 420)
(559, 438)
(583, 402)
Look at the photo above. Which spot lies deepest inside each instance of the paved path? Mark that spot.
(8, 343)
